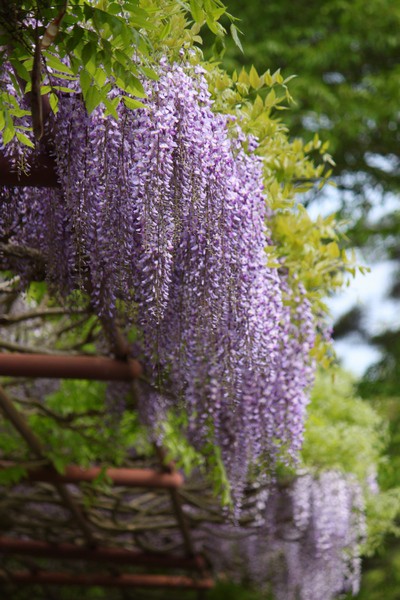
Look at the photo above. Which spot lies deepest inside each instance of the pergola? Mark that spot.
(152, 490)
(136, 532)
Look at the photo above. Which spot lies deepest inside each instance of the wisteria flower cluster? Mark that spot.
(305, 540)
(160, 219)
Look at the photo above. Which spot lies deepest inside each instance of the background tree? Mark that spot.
(345, 56)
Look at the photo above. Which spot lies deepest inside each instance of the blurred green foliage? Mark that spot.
(343, 432)
(347, 433)
(345, 54)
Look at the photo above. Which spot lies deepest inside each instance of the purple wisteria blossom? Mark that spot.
(161, 220)
(304, 541)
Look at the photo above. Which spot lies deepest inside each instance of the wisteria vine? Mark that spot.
(161, 220)
(303, 541)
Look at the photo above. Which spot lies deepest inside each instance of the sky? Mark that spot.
(368, 292)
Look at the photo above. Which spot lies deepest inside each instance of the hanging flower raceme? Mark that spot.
(160, 219)
(302, 539)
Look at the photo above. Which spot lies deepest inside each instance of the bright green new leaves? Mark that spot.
(73, 427)
(310, 250)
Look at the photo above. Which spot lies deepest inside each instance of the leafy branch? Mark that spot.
(105, 45)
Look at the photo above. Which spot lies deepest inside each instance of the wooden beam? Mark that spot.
(68, 367)
(148, 478)
(127, 580)
(65, 551)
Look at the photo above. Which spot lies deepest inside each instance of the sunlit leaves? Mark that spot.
(311, 250)
(132, 103)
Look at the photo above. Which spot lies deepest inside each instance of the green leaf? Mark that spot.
(8, 133)
(129, 83)
(59, 462)
(53, 100)
(88, 11)
(235, 36)
(150, 73)
(217, 12)
(74, 38)
(20, 69)
(21, 137)
(93, 98)
(85, 81)
(254, 78)
(270, 99)
(20, 112)
(133, 103)
(100, 77)
(111, 106)
(12, 475)
(65, 90)
(166, 30)
(197, 11)
(36, 291)
(114, 8)
(55, 63)
(108, 25)
(215, 27)
(89, 53)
